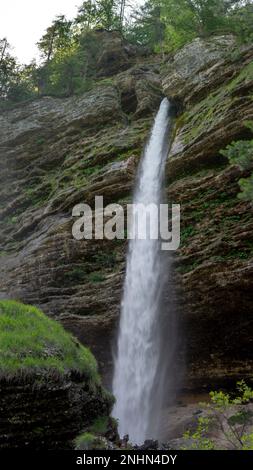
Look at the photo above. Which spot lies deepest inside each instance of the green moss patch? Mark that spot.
(30, 342)
(100, 425)
(96, 277)
(89, 441)
(209, 112)
(98, 434)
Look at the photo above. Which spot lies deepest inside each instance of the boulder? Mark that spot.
(49, 385)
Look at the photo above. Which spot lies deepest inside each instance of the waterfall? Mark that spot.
(140, 369)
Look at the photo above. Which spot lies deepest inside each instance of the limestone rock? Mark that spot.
(115, 54)
(214, 263)
(56, 153)
(191, 69)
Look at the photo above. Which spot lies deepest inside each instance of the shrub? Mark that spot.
(241, 153)
(220, 412)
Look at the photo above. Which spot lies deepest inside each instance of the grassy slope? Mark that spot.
(30, 341)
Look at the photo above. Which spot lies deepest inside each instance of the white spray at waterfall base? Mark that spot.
(140, 368)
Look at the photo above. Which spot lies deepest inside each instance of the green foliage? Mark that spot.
(71, 68)
(30, 342)
(40, 141)
(247, 442)
(170, 24)
(241, 153)
(246, 393)
(197, 439)
(100, 13)
(92, 170)
(107, 260)
(16, 81)
(94, 436)
(242, 20)
(107, 14)
(148, 27)
(69, 56)
(85, 441)
(87, 15)
(69, 49)
(220, 413)
(234, 254)
(100, 425)
(246, 185)
(77, 274)
(7, 68)
(57, 37)
(187, 232)
(239, 418)
(96, 277)
(185, 268)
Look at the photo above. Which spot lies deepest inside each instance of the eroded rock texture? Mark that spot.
(214, 263)
(56, 153)
(48, 414)
(59, 152)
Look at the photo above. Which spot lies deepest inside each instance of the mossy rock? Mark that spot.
(102, 434)
(50, 388)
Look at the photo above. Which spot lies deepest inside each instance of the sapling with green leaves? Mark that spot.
(229, 417)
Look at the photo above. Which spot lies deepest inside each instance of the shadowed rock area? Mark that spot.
(50, 389)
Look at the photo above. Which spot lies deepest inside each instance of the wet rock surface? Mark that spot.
(214, 263)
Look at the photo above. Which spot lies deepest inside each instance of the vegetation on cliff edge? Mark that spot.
(69, 48)
(240, 152)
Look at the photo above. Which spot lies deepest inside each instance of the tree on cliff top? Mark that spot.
(69, 48)
(57, 36)
(147, 27)
(16, 81)
(186, 19)
(7, 67)
(108, 14)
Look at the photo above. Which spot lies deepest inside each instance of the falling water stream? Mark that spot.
(138, 383)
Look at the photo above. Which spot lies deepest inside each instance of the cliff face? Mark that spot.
(56, 153)
(213, 82)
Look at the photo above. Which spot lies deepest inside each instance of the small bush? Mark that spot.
(241, 153)
(232, 425)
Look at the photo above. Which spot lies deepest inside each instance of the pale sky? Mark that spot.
(24, 21)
